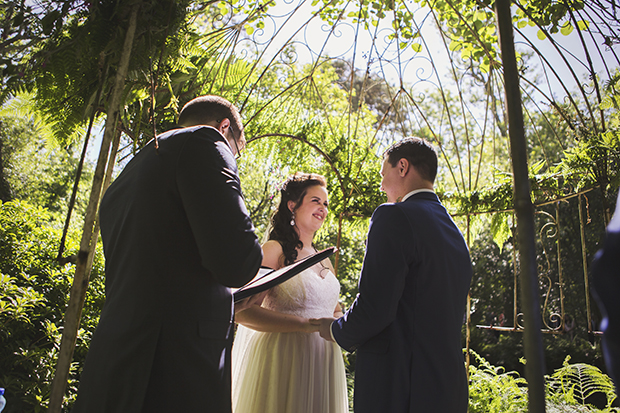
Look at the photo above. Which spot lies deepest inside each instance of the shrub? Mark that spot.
(34, 292)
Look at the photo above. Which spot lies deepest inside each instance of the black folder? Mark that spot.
(267, 278)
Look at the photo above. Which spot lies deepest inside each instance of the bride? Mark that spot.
(280, 363)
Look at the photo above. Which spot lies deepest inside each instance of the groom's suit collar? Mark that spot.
(416, 191)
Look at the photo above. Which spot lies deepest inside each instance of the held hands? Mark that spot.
(308, 327)
(324, 326)
(252, 315)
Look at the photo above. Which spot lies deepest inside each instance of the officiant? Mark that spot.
(176, 235)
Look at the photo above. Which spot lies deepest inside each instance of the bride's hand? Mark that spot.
(309, 327)
(246, 303)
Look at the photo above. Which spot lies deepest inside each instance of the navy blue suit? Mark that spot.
(606, 281)
(176, 235)
(406, 320)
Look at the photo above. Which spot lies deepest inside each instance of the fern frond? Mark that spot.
(492, 390)
(575, 383)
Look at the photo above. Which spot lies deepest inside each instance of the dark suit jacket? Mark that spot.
(606, 281)
(176, 234)
(406, 320)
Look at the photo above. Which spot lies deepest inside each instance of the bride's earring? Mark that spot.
(293, 220)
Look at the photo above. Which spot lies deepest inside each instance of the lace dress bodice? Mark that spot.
(307, 294)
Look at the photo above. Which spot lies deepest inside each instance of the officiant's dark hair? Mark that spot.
(208, 108)
(419, 152)
(293, 189)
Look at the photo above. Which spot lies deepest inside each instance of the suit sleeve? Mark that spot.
(606, 282)
(384, 273)
(210, 191)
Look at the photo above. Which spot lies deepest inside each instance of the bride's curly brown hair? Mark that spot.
(293, 189)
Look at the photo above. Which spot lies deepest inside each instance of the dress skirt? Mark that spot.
(288, 372)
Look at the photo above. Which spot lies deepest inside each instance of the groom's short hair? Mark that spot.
(211, 108)
(420, 154)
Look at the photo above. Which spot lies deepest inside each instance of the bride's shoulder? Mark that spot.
(272, 254)
(272, 246)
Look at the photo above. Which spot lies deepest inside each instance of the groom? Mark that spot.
(176, 234)
(406, 320)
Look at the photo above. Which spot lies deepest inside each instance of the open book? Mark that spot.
(267, 278)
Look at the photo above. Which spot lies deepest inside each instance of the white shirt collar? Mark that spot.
(416, 191)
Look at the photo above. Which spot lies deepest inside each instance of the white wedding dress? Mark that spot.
(291, 372)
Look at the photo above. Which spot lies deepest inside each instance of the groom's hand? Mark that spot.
(325, 325)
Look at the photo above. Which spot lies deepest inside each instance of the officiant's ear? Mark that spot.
(223, 126)
(403, 166)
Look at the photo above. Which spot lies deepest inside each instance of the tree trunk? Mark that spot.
(535, 363)
(5, 188)
(78, 175)
(89, 235)
(76, 184)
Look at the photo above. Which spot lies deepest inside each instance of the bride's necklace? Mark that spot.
(321, 272)
(324, 268)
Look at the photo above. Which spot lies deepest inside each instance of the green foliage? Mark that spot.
(324, 118)
(75, 69)
(25, 25)
(472, 31)
(501, 228)
(470, 25)
(351, 254)
(593, 161)
(34, 167)
(577, 384)
(493, 390)
(34, 291)
(558, 251)
(293, 138)
(570, 388)
(553, 16)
